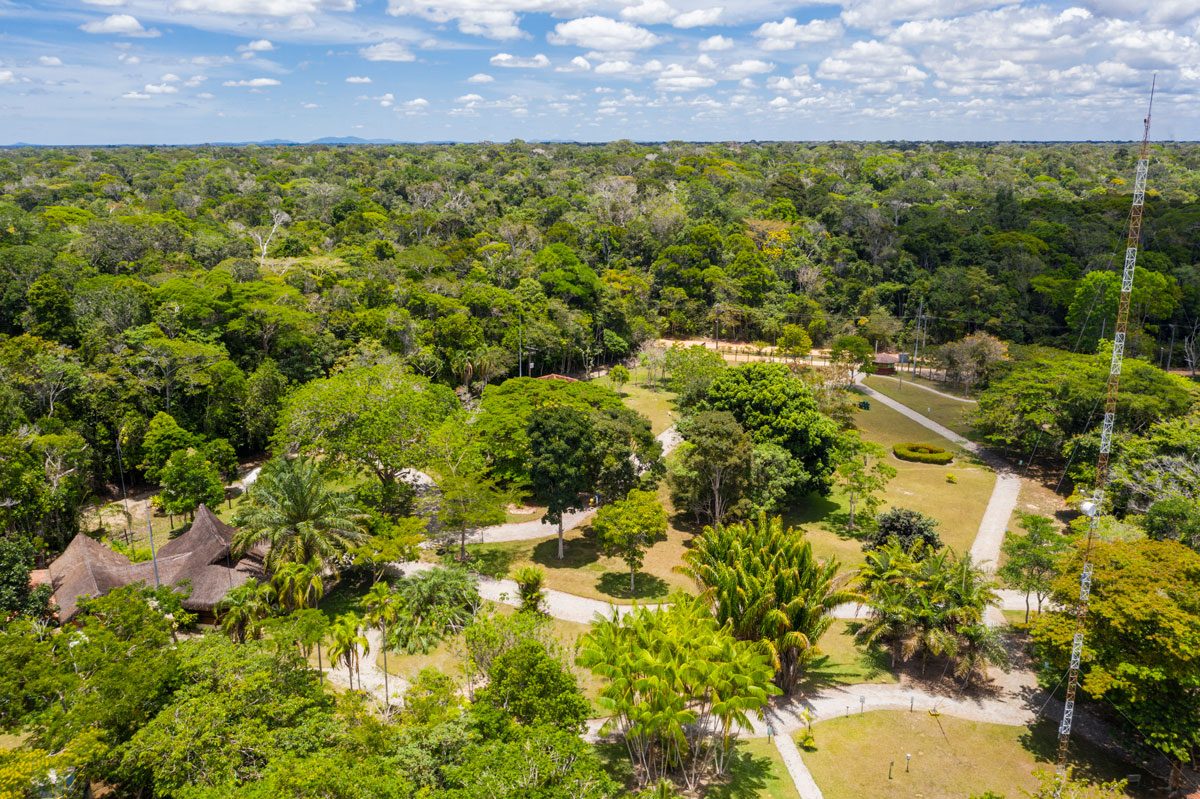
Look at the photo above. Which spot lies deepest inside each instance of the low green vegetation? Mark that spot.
(922, 453)
(951, 758)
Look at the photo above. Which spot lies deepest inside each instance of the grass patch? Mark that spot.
(943, 410)
(951, 758)
(756, 771)
(958, 507)
(844, 662)
(652, 401)
(584, 569)
(524, 514)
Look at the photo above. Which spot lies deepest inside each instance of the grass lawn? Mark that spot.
(842, 662)
(756, 771)
(652, 402)
(958, 507)
(951, 758)
(943, 410)
(585, 570)
(525, 513)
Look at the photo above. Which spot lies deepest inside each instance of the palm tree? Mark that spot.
(292, 508)
(979, 646)
(299, 585)
(767, 584)
(347, 640)
(380, 606)
(243, 609)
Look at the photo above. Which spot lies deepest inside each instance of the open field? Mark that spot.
(756, 771)
(951, 758)
(958, 507)
(653, 402)
(943, 410)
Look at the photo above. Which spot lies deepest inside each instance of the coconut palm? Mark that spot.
(381, 608)
(347, 642)
(292, 508)
(243, 609)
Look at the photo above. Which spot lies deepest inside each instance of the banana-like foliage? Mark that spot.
(766, 584)
(679, 687)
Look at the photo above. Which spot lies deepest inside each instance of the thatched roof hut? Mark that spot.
(199, 559)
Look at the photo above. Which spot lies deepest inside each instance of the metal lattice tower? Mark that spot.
(1093, 507)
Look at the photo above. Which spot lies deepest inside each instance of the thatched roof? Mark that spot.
(199, 558)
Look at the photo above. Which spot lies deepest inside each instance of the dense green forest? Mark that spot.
(203, 281)
(347, 316)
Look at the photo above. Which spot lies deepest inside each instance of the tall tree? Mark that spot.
(562, 467)
(712, 465)
(378, 419)
(1032, 564)
(629, 526)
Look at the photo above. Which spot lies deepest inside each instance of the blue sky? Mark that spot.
(180, 71)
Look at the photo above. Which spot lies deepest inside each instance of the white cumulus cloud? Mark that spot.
(253, 82)
(358, 79)
(256, 46)
(266, 8)
(750, 66)
(508, 60)
(714, 43)
(119, 25)
(7, 76)
(602, 33)
(787, 34)
(160, 88)
(480, 77)
(648, 12)
(677, 78)
(386, 51)
(698, 18)
(50, 61)
(577, 64)
(135, 95)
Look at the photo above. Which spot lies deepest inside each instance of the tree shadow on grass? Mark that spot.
(746, 778)
(577, 553)
(493, 562)
(646, 586)
(1087, 761)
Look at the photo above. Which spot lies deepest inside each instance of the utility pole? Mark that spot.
(124, 495)
(153, 556)
(1094, 507)
(1171, 349)
(917, 339)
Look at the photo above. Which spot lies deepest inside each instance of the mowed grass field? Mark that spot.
(842, 662)
(958, 507)
(653, 402)
(943, 410)
(756, 771)
(951, 758)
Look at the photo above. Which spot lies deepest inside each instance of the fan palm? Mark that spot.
(292, 508)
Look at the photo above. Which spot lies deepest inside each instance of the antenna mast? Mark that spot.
(1092, 508)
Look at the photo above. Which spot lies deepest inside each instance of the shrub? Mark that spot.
(951, 478)
(530, 582)
(922, 453)
(906, 526)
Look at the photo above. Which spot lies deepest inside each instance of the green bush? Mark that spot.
(922, 453)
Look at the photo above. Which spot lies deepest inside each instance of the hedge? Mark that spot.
(922, 453)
